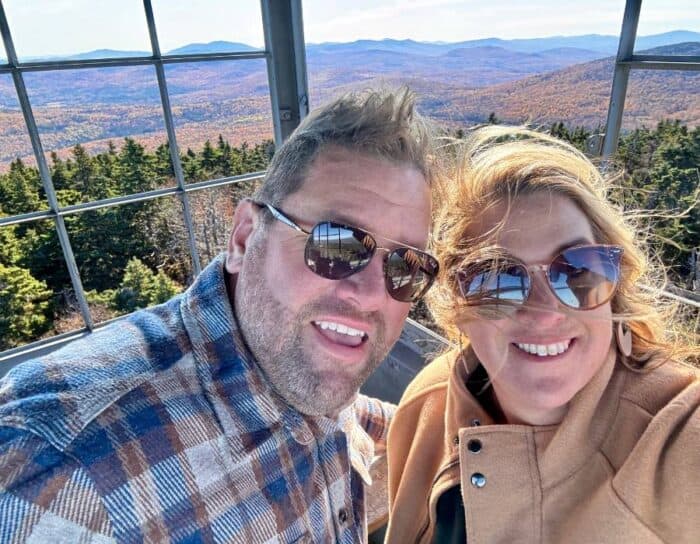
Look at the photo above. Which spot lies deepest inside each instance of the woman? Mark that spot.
(565, 414)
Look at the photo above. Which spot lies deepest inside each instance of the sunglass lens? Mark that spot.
(585, 277)
(409, 273)
(500, 284)
(336, 251)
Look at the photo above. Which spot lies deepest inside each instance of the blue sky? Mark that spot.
(54, 27)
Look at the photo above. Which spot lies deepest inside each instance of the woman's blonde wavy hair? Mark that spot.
(495, 165)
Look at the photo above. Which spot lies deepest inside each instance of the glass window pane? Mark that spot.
(131, 256)
(657, 95)
(665, 23)
(208, 26)
(102, 130)
(212, 213)
(222, 117)
(659, 151)
(46, 29)
(36, 297)
(488, 59)
(21, 189)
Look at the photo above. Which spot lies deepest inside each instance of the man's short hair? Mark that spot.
(382, 123)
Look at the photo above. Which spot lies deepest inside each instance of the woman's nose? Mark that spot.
(541, 304)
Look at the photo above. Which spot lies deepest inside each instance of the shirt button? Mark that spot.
(478, 480)
(474, 446)
(342, 515)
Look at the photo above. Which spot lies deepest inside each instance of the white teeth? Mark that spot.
(545, 350)
(339, 328)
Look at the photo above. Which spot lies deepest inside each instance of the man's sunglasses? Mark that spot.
(581, 277)
(335, 251)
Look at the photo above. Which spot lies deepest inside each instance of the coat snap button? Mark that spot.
(478, 480)
(476, 422)
(474, 446)
(455, 440)
(342, 515)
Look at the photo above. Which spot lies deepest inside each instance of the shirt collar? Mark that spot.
(218, 345)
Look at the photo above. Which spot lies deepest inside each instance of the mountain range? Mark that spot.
(540, 80)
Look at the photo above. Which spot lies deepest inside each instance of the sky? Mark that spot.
(62, 27)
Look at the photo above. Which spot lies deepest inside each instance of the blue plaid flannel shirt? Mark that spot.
(160, 428)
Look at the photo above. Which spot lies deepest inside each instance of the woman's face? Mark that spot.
(532, 388)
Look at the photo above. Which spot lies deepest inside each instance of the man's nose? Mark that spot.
(366, 289)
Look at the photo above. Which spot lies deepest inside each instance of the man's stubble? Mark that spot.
(275, 338)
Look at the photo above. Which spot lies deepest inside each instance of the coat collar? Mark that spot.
(561, 449)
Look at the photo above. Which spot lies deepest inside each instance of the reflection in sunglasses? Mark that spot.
(335, 251)
(582, 277)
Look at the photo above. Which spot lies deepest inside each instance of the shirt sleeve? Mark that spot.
(44, 493)
(374, 416)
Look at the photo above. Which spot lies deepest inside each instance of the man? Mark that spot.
(231, 413)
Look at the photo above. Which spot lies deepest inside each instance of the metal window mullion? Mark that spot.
(297, 23)
(618, 92)
(129, 199)
(170, 128)
(286, 64)
(25, 218)
(271, 74)
(44, 171)
(117, 62)
(641, 64)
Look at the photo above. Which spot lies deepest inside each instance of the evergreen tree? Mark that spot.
(140, 288)
(59, 173)
(10, 250)
(20, 190)
(82, 172)
(209, 158)
(134, 171)
(163, 165)
(136, 285)
(25, 306)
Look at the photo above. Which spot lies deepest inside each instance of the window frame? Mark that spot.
(284, 53)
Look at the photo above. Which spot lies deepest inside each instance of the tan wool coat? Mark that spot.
(623, 465)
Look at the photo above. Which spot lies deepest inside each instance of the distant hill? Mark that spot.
(559, 79)
(468, 67)
(601, 44)
(580, 95)
(108, 54)
(212, 47)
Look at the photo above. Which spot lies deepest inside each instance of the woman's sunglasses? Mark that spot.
(335, 251)
(580, 277)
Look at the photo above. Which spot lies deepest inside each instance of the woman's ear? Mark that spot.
(245, 220)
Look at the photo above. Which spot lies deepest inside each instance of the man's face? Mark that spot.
(288, 314)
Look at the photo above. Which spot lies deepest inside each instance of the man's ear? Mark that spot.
(245, 220)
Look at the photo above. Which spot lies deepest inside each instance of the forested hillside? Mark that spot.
(130, 256)
(537, 81)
